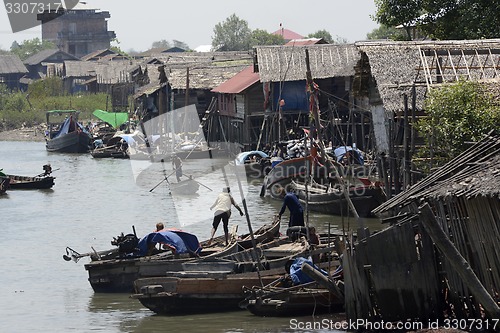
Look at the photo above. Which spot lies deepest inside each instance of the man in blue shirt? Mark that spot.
(296, 211)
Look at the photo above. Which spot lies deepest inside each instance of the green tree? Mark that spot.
(182, 45)
(232, 35)
(456, 114)
(385, 32)
(262, 37)
(50, 86)
(393, 13)
(322, 34)
(115, 47)
(161, 44)
(442, 19)
(472, 19)
(30, 47)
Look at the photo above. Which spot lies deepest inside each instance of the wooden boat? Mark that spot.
(203, 291)
(256, 163)
(115, 271)
(332, 200)
(197, 153)
(69, 136)
(266, 256)
(116, 147)
(212, 292)
(26, 182)
(184, 187)
(265, 233)
(307, 290)
(302, 301)
(283, 173)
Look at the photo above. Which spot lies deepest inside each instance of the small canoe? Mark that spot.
(30, 183)
(184, 187)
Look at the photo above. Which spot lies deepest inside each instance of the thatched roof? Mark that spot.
(11, 64)
(397, 66)
(49, 55)
(288, 63)
(107, 72)
(475, 172)
(201, 77)
(184, 59)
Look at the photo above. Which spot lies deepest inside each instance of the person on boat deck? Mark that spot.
(47, 170)
(314, 241)
(296, 211)
(222, 212)
(177, 165)
(159, 227)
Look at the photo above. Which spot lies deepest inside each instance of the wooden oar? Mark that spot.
(164, 179)
(191, 177)
(42, 174)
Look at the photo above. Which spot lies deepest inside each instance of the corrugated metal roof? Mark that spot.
(11, 64)
(239, 82)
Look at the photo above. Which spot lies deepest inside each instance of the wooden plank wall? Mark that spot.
(474, 229)
(392, 275)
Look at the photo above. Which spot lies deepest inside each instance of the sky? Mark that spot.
(138, 24)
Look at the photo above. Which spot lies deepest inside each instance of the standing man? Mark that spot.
(296, 211)
(177, 165)
(222, 212)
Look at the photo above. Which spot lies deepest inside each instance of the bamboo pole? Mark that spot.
(322, 280)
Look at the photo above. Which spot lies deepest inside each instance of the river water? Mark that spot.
(95, 200)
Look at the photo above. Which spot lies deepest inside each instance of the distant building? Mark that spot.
(306, 41)
(46, 63)
(287, 35)
(204, 48)
(78, 31)
(11, 71)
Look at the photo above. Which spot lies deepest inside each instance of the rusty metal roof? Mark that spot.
(287, 34)
(306, 41)
(239, 82)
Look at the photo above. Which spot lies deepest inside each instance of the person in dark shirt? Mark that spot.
(296, 211)
(177, 165)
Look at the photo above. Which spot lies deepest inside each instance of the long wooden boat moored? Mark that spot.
(69, 136)
(214, 292)
(334, 202)
(205, 291)
(114, 271)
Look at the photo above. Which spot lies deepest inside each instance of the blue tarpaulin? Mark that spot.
(179, 241)
(69, 125)
(357, 154)
(299, 277)
(245, 156)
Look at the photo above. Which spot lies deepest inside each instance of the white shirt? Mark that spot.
(223, 203)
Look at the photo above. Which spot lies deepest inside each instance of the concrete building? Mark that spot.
(77, 31)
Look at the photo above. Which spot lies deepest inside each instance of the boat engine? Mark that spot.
(126, 243)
